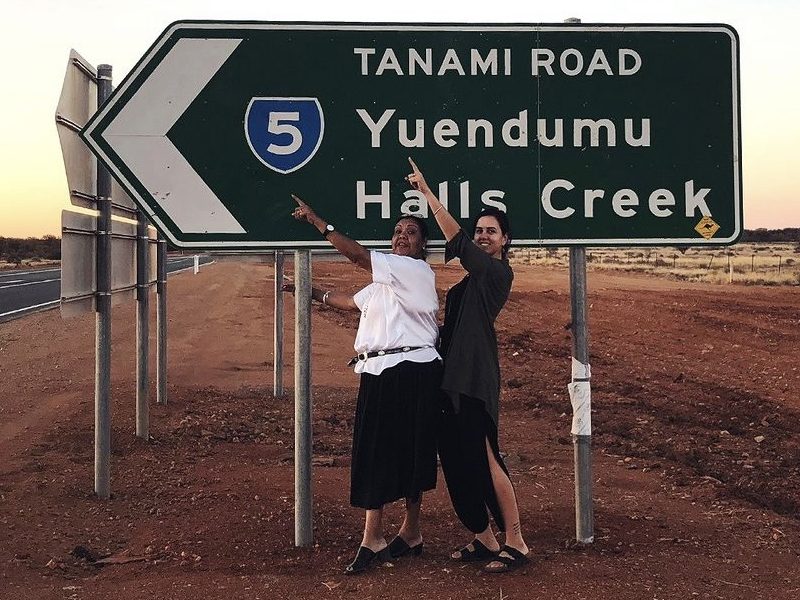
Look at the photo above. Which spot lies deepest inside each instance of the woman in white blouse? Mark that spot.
(397, 412)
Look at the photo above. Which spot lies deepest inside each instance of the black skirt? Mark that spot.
(465, 464)
(394, 434)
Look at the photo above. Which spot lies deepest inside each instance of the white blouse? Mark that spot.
(397, 309)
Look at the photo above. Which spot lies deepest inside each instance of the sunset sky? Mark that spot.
(36, 37)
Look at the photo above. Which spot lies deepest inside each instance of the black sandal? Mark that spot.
(478, 552)
(514, 560)
(364, 558)
(399, 547)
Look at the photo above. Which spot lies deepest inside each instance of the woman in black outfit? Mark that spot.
(477, 478)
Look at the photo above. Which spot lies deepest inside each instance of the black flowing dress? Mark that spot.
(471, 383)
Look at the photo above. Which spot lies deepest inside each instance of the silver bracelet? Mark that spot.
(325, 297)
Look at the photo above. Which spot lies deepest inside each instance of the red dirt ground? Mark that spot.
(696, 450)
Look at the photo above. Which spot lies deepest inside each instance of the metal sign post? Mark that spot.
(98, 252)
(580, 397)
(580, 393)
(303, 519)
(102, 394)
(142, 327)
(161, 321)
(277, 346)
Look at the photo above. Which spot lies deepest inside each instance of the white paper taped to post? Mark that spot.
(580, 370)
(580, 395)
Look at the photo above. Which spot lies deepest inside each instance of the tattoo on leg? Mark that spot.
(517, 529)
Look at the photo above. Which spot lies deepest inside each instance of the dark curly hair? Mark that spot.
(423, 230)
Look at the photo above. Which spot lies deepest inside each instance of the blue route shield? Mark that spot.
(284, 133)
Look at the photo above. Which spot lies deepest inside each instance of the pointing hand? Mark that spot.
(416, 179)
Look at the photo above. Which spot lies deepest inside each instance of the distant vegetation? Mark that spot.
(747, 263)
(789, 234)
(15, 250)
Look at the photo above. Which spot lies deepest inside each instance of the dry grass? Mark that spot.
(29, 263)
(745, 263)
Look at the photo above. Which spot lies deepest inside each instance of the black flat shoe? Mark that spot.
(364, 558)
(399, 547)
(508, 559)
(473, 552)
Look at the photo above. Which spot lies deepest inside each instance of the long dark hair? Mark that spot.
(502, 220)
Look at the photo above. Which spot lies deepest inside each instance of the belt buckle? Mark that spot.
(363, 356)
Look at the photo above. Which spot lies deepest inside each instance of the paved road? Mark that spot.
(24, 292)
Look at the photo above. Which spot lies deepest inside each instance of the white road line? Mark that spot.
(12, 312)
(2, 287)
(18, 273)
(54, 303)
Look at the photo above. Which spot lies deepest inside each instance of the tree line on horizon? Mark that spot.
(787, 234)
(48, 247)
(15, 250)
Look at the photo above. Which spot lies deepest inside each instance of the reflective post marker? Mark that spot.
(102, 379)
(277, 347)
(303, 533)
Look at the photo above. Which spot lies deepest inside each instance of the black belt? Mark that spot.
(374, 353)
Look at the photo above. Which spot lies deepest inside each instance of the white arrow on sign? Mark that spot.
(138, 134)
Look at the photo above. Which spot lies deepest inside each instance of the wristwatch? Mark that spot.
(329, 229)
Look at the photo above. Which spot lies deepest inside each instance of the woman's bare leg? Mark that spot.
(409, 530)
(373, 530)
(508, 504)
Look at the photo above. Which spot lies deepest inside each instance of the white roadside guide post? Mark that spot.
(580, 394)
(303, 531)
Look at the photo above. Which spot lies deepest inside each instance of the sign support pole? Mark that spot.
(277, 349)
(303, 533)
(161, 320)
(580, 394)
(102, 390)
(142, 327)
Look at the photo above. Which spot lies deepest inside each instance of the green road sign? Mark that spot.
(585, 134)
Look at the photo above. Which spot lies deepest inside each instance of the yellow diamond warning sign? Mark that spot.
(707, 227)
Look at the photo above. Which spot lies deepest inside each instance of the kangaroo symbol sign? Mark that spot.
(585, 134)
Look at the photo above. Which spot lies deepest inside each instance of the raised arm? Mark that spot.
(444, 219)
(333, 299)
(348, 247)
